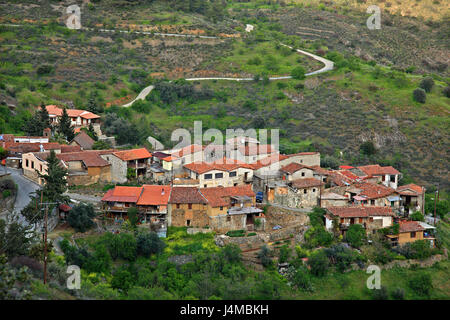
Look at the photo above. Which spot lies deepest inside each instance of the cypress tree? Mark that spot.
(55, 180)
(64, 126)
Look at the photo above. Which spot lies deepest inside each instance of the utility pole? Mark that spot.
(435, 201)
(45, 233)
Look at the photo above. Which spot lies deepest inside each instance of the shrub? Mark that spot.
(398, 294)
(421, 284)
(80, 217)
(417, 216)
(355, 235)
(419, 95)
(285, 253)
(149, 243)
(301, 279)
(236, 233)
(44, 70)
(298, 73)
(380, 294)
(264, 255)
(122, 280)
(427, 84)
(319, 263)
(446, 91)
(341, 256)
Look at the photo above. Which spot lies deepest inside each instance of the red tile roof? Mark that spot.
(293, 167)
(356, 212)
(186, 195)
(413, 187)
(272, 159)
(133, 154)
(154, 195)
(66, 148)
(307, 183)
(123, 194)
(319, 170)
(345, 167)
(25, 147)
(90, 158)
(377, 170)
(410, 226)
(373, 191)
(220, 196)
(84, 140)
(224, 164)
(56, 111)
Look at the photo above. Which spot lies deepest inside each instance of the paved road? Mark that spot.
(328, 66)
(24, 191)
(141, 96)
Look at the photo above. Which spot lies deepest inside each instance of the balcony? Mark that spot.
(138, 165)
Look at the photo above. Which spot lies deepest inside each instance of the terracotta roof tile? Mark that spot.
(193, 148)
(84, 140)
(186, 195)
(307, 183)
(377, 170)
(414, 187)
(220, 196)
(293, 167)
(154, 195)
(57, 111)
(133, 154)
(123, 194)
(224, 164)
(373, 191)
(355, 212)
(90, 158)
(410, 226)
(272, 159)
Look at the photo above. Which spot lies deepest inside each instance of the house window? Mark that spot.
(40, 168)
(178, 206)
(219, 175)
(392, 178)
(228, 219)
(26, 163)
(372, 202)
(305, 191)
(208, 176)
(360, 220)
(232, 174)
(413, 234)
(370, 219)
(303, 174)
(204, 186)
(314, 189)
(221, 208)
(342, 220)
(32, 164)
(189, 205)
(188, 223)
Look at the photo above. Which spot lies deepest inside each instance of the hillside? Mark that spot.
(368, 97)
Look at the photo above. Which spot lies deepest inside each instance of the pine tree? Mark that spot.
(44, 117)
(64, 126)
(55, 180)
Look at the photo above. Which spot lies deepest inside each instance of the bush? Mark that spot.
(419, 95)
(300, 279)
(44, 70)
(446, 91)
(355, 235)
(319, 263)
(285, 253)
(122, 280)
(264, 255)
(341, 256)
(421, 284)
(427, 84)
(236, 233)
(398, 294)
(149, 243)
(380, 294)
(298, 73)
(80, 217)
(417, 216)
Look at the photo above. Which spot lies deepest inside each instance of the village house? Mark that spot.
(300, 193)
(220, 208)
(83, 140)
(224, 172)
(331, 199)
(150, 201)
(84, 167)
(410, 231)
(370, 194)
(412, 198)
(231, 208)
(371, 218)
(78, 118)
(182, 156)
(134, 161)
(294, 171)
(388, 176)
(187, 207)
